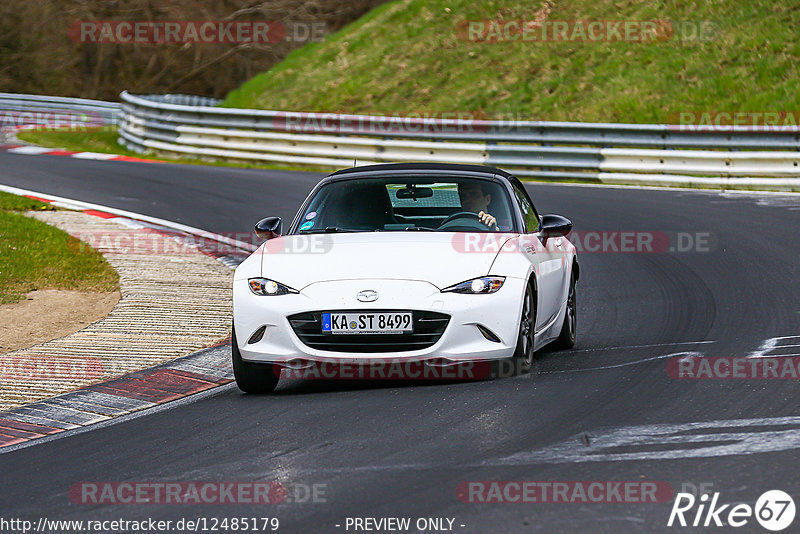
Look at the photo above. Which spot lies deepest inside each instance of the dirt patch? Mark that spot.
(50, 314)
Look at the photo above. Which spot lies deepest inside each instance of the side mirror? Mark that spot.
(555, 226)
(269, 228)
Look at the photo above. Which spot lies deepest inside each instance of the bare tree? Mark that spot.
(39, 54)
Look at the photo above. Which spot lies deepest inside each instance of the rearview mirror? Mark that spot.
(414, 192)
(269, 228)
(555, 226)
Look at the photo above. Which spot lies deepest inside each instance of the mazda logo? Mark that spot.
(367, 295)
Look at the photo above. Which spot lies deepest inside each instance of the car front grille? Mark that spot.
(428, 328)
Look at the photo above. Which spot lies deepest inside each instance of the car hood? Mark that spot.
(440, 258)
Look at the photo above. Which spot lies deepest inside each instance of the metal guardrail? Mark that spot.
(614, 153)
(37, 111)
(158, 107)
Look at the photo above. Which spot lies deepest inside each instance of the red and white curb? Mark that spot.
(34, 150)
(130, 393)
(134, 392)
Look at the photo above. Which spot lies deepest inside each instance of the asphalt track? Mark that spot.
(394, 449)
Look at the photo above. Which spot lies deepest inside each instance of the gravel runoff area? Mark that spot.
(175, 300)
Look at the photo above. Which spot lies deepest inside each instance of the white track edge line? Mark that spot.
(132, 215)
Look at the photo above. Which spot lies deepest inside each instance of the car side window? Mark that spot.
(528, 213)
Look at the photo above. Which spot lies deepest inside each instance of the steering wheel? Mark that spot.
(473, 222)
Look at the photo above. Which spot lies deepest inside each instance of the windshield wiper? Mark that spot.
(327, 230)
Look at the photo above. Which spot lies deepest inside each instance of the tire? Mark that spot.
(522, 360)
(252, 377)
(566, 339)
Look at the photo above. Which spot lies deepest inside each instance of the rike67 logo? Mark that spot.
(774, 510)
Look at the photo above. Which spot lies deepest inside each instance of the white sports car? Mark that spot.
(436, 264)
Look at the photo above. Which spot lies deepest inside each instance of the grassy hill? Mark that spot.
(415, 56)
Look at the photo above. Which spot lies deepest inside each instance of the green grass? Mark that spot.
(105, 141)
(35, 255)
(9, 202)
(99, 140)
(408, 56)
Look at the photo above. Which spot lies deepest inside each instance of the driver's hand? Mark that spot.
(488, 220)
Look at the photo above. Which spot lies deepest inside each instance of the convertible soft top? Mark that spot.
(390, 167)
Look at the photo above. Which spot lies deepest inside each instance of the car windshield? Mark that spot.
(451, 204)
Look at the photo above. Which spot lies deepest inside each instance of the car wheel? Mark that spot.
(522, 360)
(252, 377)
(566, 339)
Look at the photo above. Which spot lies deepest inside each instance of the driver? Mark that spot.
(475, 197)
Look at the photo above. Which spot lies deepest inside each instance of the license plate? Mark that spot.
(367, 323)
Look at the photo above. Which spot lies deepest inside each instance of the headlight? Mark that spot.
(477, 286)
(263, 286)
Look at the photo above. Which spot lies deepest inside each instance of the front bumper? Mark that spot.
(462, 340)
